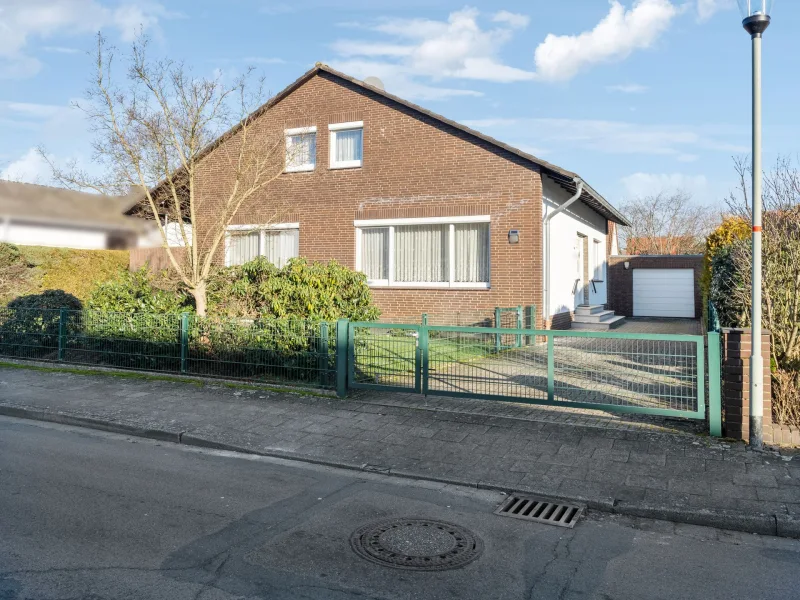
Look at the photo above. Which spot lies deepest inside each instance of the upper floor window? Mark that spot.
(277, 243)
(347, 144)
(424, 252)
(301, 149)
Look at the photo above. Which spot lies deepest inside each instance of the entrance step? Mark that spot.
(588, 309)
(597, 317)
(604, 325)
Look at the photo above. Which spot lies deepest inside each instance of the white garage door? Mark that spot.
(663, 293)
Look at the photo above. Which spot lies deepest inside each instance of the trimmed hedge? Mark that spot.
(28, 270)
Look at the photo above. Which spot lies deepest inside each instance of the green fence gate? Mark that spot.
(656, 374)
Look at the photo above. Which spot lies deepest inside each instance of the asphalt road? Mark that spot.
(88, 515)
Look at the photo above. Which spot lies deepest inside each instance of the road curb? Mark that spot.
(763, 524)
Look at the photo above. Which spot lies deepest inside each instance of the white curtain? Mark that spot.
(420, 253)
(348, 145)
(472, 252)
(242, 247)
(375, 253)
(301, 150)
(281, 245)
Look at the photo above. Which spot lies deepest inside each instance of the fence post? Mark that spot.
(497, 324)
(520, 322)
(62, 333)
(424, 319)
(551, 367)
(322, 357)
(714, 385)
(184, 341)
(342, 355)
(421, 368)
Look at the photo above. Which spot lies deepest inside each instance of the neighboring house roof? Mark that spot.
(563, 177)
(58, 206)
(662, 245)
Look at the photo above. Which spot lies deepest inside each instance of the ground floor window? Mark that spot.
(278, 243)
(427, 252)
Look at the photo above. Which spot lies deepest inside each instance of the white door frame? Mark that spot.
(579, 264)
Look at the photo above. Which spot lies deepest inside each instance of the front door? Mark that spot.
(578, 283)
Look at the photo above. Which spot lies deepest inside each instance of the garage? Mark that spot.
(663, 293)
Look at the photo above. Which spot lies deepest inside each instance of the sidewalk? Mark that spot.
(631, 466)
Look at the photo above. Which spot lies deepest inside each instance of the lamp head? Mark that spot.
(756, 15)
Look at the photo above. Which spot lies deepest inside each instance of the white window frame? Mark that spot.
(452, 222)
(262, 238)
(333, 129)
(288, 133)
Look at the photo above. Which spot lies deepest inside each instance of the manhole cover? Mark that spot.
(416, 544)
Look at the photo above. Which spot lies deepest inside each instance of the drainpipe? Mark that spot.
(579, 184)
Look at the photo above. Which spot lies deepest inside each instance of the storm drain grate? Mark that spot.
(540, 511)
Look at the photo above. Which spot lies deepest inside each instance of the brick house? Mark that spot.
(442, 219)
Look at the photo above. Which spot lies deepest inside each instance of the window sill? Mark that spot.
(353, 165)
(429, 286)
(303, 169)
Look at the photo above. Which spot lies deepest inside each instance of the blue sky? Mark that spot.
(638, 96)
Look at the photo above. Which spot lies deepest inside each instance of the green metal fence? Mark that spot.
(639, 373)
(290, 350)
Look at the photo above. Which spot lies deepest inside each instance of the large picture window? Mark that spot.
(277, 243)
(426, 252)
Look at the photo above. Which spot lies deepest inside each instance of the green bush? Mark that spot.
(313, 291)
(139, 291)
(29, 325)
(28, 270)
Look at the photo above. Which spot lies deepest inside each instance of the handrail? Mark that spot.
(575, 287)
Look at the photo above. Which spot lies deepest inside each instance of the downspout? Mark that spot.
(579, 184)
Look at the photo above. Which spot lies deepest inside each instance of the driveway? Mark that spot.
(657, 325)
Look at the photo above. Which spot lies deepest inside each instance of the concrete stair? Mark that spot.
(595, 318)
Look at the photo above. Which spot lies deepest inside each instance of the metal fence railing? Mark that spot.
(289, 350)
(645, 373)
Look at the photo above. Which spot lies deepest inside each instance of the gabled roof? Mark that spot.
(566, 179)
(45, 204)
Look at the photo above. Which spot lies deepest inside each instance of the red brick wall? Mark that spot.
(620, 280)
(413, 166)
(736, 348)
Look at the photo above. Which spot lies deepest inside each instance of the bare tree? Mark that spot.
(781, 188)
(666, 224)
(151, 135)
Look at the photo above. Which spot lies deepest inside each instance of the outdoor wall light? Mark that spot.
(513, 236)
(627, 265)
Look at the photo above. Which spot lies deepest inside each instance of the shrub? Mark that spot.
(313, 291)
(28, 270)
(29, 326)
(139, 291)
(786, 397)
(720, 240)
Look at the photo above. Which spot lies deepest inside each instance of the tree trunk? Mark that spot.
(200, 301)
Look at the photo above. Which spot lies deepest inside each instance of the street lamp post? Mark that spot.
(756, 20)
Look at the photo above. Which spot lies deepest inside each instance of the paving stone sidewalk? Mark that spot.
(628, 466)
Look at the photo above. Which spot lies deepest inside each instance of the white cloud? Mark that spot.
(708, 8)
(423, 49)
(512, 19)
(24, 20)
(627, 88)
(61, 49)
(649, 184)
(30, 168)
(562, 57)
(614, 137)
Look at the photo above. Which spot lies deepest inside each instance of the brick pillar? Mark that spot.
(736, 384)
